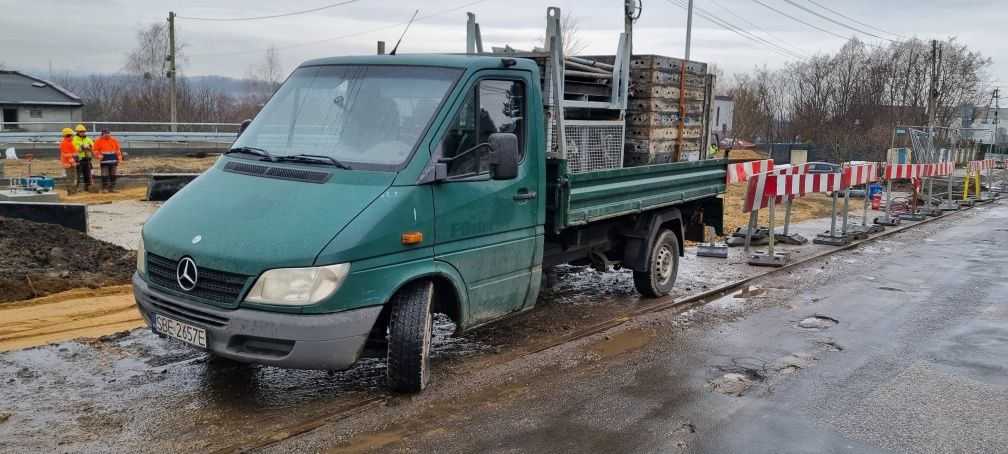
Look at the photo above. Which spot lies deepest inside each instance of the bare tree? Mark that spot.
(570, 27)
(149, 57)
(264, 76)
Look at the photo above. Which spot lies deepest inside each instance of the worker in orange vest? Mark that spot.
(106, 148)
(68, 159)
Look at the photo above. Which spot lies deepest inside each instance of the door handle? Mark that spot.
(524, 196)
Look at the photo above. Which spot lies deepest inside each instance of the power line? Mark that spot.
(835, 21)
(337, 38)
(854, 20)
(739, 31)
(268, 17)
(757, 27)
(806, 23)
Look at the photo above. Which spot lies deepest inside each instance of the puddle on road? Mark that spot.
(740, 297)
(370, 442)
(622, 342)
(817, 323)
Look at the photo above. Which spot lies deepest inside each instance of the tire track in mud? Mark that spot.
(55, 319)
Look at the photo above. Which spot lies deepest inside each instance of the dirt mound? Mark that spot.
(41, 259)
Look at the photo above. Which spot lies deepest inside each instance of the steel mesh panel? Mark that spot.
(590, 145)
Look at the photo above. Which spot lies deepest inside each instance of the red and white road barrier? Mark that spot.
(905, 171)
(756, 187)
(859, 174)
(984, 164)
(940, 169)
(744, 170)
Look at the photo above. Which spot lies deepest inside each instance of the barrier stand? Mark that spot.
(770, 258)
(833, 237)
(887, 219)
(913, 215)
(712, 250)
(974, 169)
(948, 204)
(929, 209)
(786, 237)
(854, 175)
(751, 234)
(774, 189)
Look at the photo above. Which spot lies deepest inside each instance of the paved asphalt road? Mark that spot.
(900, 344)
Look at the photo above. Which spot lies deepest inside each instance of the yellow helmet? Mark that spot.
(68, 132)
(80, 128)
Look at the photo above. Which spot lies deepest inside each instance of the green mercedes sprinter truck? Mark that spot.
(371, 192)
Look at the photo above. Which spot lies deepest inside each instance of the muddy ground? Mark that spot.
(131, 165)
(42, 259)
(134, 391)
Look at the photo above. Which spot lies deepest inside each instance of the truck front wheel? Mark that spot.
(409, 334)
(662, 266)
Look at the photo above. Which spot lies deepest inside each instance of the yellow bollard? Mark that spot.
(966, 185)
(977, 179)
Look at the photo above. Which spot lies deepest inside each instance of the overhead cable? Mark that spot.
(739, 31)
(215, 19)
(817, 14)
(337, 38)
(853, 19)
(810, 25)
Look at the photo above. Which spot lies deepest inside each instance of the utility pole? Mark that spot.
(997, 102)
(628, 19)
(689, 27)
(933, 92)
(171, 69)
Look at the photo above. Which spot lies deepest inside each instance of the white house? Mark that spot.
(25, 99)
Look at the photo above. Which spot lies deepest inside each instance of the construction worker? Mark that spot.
(85, 151)
(68, 159)
(107, 150)
(711, 151)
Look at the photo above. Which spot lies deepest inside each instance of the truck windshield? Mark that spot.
(369, 117)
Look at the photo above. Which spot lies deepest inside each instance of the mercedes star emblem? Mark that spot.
(186, 274)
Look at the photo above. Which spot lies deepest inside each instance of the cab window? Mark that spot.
(494, 105)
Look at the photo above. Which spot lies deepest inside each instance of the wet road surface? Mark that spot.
(898, 344)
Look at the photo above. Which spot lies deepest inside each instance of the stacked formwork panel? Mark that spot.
(666, 117)
(668, 110)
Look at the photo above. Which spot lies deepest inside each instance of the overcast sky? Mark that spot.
(93, 36)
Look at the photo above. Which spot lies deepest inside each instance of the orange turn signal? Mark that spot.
(412, 238)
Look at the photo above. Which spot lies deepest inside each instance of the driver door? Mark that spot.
(488, 229)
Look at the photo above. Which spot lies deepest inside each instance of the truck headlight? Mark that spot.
(141, 258)
(298, 286)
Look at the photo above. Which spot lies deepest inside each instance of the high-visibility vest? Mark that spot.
(67, 153)
(78, 142)
(107, 149)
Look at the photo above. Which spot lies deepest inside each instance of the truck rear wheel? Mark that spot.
(410, 327)
(662, 266)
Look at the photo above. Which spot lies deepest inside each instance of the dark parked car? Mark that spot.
(823, 167)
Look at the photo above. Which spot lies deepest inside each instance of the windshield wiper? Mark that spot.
(252, 150)
(313, 158)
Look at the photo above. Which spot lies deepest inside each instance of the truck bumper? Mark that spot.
(296, 341)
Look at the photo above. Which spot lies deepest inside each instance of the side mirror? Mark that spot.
(244, 124)
(503, 156)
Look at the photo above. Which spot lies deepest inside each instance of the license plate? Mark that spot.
(179, 330)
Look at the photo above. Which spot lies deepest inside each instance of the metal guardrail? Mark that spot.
(125, 138)
(94, 126)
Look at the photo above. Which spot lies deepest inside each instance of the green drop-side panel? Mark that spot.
(581, 198)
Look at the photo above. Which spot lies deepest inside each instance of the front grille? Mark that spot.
(212, 285)
(188, 314)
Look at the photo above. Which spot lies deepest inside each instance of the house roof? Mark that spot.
(18, 88)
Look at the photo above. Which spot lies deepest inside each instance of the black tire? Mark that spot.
(410, 326)
(662, 266)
